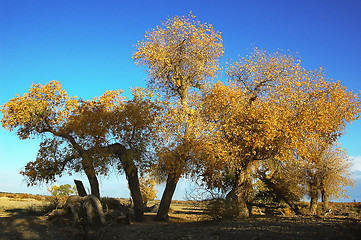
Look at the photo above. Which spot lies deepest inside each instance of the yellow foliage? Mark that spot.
(147, 189)
(271, 108)
(182, 53)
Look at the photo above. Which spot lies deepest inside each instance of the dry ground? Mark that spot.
(24, 219)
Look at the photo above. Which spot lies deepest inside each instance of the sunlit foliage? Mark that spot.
(181, 57)
(181, 54)
(272, 108)
(62, 190)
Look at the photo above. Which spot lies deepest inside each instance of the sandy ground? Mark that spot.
(6, 202)
(186, 222)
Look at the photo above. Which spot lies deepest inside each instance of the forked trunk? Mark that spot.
(164, 206)
(173, 178)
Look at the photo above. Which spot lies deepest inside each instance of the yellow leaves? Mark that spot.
(182, 53)
(272, 108)
(42, 107)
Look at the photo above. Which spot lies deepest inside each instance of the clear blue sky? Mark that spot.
(87, 46)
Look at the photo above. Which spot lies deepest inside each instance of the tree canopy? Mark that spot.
(271, 109)
(272, 119)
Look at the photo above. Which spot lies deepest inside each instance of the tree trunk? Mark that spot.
(80, 188)
(92, 178)
(313, 202)
(241, 191)
(164, 206)
(131, 171)
(133, 183)
(325, 200)
(173, 178)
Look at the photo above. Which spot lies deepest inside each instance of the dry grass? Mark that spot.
(187, 221)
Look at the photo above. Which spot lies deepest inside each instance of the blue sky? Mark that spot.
(87, 46)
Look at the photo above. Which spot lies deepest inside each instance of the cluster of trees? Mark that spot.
(272, 119)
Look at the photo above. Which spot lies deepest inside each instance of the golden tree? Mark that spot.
(272, 109)
(132, 138)
(47, 111)
(326, 176)
(85, 135)
(147, 184)
(181, 56)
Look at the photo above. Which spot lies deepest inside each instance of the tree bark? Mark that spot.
(325, 200)
(133, 183)
(131, 171)
(92, 178)
(80, 188)
(313, 201)
(241, 191)
(173, 178)
(164, 206)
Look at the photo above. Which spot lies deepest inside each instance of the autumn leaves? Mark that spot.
(270, 109)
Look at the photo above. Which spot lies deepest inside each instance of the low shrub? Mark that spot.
(219, 208)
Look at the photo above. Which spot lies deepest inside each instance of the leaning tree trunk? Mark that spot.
(173, 177)
(281, 192)
(87, 166)
(80, 188)
(92, 178)
(313, 201)
(133, 183)
(131, 171)
(169, 190)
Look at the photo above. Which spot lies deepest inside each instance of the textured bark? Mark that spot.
(93, 180)
(131, 172)
(241, 191)
(313, 201)
(164, 206)
(80, 188)
(325, 200)
(133, 182)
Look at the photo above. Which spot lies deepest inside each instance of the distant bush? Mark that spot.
(62, 190)
(24, 195)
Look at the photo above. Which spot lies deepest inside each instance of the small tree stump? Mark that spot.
(80, 188)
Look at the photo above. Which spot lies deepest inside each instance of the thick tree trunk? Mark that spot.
(325, 200)
(173, 178)
(293, 206)
(241, 191)
(131, 172)
(164, 206)
(80, 188)
(313, 202)
(133, 182)
(86, 164)
(93, 180)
